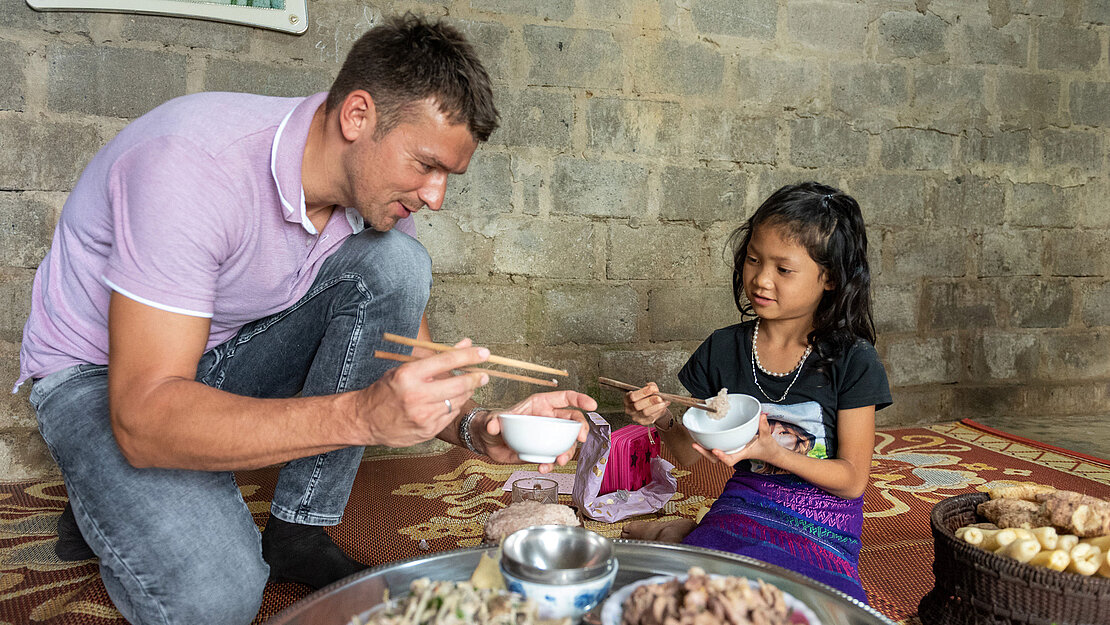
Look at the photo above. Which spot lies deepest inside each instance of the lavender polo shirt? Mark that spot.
(195, 208)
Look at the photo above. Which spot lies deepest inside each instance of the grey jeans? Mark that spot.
(179, 546)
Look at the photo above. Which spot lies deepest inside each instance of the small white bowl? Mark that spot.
(729, 433)
(538, 439)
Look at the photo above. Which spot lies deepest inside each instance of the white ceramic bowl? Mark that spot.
(555, 601)
(730, 433)
(801, 613)
(538, 439)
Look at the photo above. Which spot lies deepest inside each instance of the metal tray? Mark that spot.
(355, 595)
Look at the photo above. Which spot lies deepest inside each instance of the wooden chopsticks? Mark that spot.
(490, 372)
(678, 399)
(497, 360)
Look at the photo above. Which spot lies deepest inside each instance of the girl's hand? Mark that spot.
(762, 447)
(644, 406)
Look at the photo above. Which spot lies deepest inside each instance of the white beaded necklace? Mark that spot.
(755, 363)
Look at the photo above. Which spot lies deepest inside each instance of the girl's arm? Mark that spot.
(844, 476)
(647, 408)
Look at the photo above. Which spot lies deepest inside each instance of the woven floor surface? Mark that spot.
(444, 499)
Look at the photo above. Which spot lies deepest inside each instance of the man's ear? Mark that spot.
(357, 115)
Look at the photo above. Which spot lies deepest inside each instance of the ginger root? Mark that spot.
(1020, 491)
(1054, 559)
(1085, 559)
(1022, 549)
(1079, 514)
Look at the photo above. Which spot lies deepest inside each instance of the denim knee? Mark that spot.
(388, 262)
(225, 589)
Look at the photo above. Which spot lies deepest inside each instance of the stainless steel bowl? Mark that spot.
(557, 554)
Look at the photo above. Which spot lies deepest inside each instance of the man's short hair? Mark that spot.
(408, 59)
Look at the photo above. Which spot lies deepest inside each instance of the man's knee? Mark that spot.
(389, 262)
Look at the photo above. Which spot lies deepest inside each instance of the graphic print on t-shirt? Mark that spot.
(797, 427)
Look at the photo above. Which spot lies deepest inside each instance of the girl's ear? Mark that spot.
(829, 283)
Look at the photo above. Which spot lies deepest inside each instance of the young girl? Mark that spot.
(796, 498)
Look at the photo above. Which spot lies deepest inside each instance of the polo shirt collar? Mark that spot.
(286, 155)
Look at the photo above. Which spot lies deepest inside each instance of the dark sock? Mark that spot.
(304, 554)
(71, 546)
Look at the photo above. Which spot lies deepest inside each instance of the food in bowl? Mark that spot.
(729, 432)
(524, 514)
(718, 404)
(538, 439)
(450, 603)
(701, 599)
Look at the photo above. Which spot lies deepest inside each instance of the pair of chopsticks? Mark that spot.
(497, 360)
(678, 399)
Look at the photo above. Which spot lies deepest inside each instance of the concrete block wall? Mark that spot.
(589, 232)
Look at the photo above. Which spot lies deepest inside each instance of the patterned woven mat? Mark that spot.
(445, 498)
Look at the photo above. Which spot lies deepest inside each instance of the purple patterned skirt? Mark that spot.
(786, 521)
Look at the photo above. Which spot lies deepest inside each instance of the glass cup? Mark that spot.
(538, 489)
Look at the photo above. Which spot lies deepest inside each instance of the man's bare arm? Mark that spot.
(162, 417)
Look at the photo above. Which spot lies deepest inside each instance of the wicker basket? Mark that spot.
(976, 586)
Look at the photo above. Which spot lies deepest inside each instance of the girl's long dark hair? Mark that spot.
(829, 224)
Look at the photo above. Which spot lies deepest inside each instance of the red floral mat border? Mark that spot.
(443, 499)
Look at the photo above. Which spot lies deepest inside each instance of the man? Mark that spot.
(212, 301)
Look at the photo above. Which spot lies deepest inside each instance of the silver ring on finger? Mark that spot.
(449, 408)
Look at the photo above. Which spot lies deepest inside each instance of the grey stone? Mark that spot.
(723, 134)
(778, 84)
(959, 305)
(492, 42)
(549, 249)
(890, 199)
(642, 366)
(114, 82)
(1097, 11)
(911, 361)
(1028, 97)
(1074, 356)
(1067, 47)
(264, 78)
(1008, 356)
(988, 45)
(599, 188)
(894, 307)
(13, 63)
(1096, 304)
(1088, 103)
(1039, 303)
(667, 252)
(676, 67)
(44, 155)
(1011, 253)
(1072, 148)
(967, 201)
(622, 12)
(452, 250)
(912, 35)
(534, 118)
(186, 33)
(915, 148)
(684, 313)
(26, 226)
(1078, 253)
(917, 406)
(18, 15)
(1046, 8)
(929, 252)
(1000, 147)
(1038, 204)
(485, 188)
(572, 57)
(703, 194)
(838, 27)
(331, 30)
(986, 401)
(15, 302)
(586, 313)
(632, 126)
(15, 409)
(717, 242)
(866, 91)
(548, 10)
(823, 142)
(489, 313)
(756, 19)
(949, 98)
(1095, 198)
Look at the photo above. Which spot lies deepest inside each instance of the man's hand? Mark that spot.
(409, 404)
(644, 405)
(559, 404)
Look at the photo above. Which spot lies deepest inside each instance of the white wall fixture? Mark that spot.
(289, 16)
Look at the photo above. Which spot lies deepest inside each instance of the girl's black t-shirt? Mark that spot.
(805, 420)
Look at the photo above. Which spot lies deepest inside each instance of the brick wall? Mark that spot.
(637, 135)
